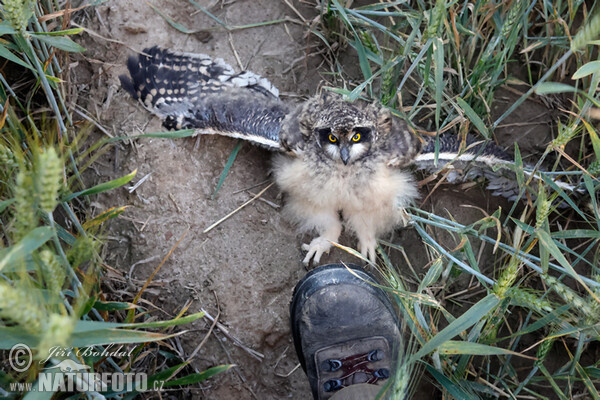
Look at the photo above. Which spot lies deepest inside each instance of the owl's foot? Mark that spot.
(315, 249)
(367, 248)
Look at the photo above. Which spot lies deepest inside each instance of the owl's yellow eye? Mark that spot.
(332, 138)
(356, 137)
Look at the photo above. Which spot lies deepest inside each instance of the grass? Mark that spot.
(50, 264)
(535, 312)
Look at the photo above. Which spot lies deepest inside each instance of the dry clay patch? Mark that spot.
(252, 261)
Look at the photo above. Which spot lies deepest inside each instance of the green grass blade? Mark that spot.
(524, 97)
(554, 87)
(587, 69)
(168, 323)
(468, 319)
(474, 118)
(183, 133)
(438, 61)
(9, 336)
(37, 393)
(60, 42)
(589, 185)
(227, 167)
(111, 213)
(549, 244)
(205, 11)
(30, 242)
(167, 373)
(113, 306)
(479, 349)
(453, 389)
(593, 372)
(382, 28)
(436, 245)
(170, 21)
(6, 28)
(587, 381)
(576, 233)
(564, 196)
(594, 138)
(199, 377)
(87, 326)
(83, 326)
(550, 379)
(7, 54)
(432, 275)
(6, 203)
(415, 64)
(117, 336)
(73, 31)
(363, 60)
(103, 187)
(553, 317)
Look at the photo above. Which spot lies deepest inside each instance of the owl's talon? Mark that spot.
(315, 249)
(367, 249)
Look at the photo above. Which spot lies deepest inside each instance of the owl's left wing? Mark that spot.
(474, 159)
(194, 91)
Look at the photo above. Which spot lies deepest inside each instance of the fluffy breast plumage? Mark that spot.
(370, 198)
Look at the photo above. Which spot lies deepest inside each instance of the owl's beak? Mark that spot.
(345, 154)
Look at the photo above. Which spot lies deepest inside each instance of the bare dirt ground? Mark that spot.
(252, 261)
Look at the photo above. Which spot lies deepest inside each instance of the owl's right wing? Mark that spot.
(194, 91)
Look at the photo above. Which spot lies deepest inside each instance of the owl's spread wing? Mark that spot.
(194, 91)
(480, 159)
(402, 145)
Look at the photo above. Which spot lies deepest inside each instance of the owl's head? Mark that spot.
(344, 131)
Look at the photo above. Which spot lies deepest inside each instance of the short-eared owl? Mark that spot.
(340, 163)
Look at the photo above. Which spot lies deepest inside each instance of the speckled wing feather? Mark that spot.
(194, 91)
(479, 159)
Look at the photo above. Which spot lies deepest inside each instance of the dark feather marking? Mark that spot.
(450, 144)
(196, 92)
(234, 113)
(480, 161)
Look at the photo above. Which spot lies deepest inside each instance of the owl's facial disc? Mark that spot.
(345, 144)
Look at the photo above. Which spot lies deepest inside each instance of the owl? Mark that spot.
(341, 164)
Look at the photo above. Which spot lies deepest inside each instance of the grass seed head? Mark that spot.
(543, 350)
(528, 299)
(52, 271)
(507, 278)
(565, 134)
(511, 19)
(49, 175)
(57, 332)
(594, 168)
(580, 306)
(25, 218)
(82, 251)
(586, 33)
(17, 306)
(18, 13)
(436, 18)
(7, 158)
(543, 207)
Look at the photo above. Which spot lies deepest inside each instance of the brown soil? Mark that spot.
(252, 261)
